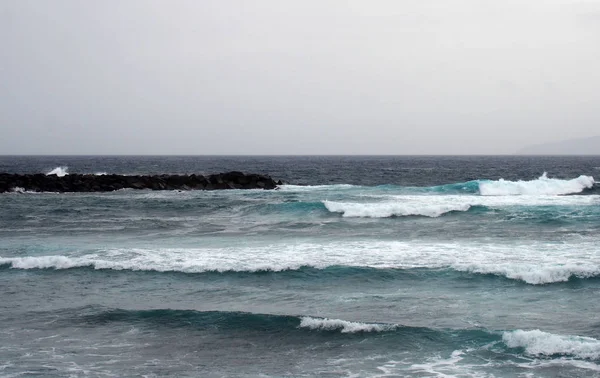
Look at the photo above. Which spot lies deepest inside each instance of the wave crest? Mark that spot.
(542, 186)
(344, 326)
(533, 263)
(226, 320)
(536, 275)
(387, 209)
(540, 343)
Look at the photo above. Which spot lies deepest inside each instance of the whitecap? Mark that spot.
(389, 209)
(542, 186)
(344, 326)
(539, 343)
(435, 206)
(533, 262)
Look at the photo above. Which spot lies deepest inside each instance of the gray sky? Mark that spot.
(296, 77)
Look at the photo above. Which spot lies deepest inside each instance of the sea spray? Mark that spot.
(59, 171)
(541, 186)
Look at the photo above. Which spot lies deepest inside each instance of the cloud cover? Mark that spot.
(296, 77)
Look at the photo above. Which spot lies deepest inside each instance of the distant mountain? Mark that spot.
(582, 146)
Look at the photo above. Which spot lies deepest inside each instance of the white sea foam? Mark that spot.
(535, 274)
(541, 186)
(20, 190)
(559, 363)
(59, 171)
(343, 326)
(539, 343)
(45, 262)
(435, 206)
(532, 262)
(444, 367)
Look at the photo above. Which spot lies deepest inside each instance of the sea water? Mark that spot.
(356, 267)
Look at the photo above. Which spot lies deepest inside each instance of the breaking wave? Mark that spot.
(538, 343)
(535, 275)
(535, 263)
(343, 326)
(542, 186)
(387, 209)
(223, 320)
(436, 206)
(537, 187)
(535, 343)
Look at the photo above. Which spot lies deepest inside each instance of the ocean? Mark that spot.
(358, 266)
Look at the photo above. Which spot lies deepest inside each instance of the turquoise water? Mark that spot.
(473, 276)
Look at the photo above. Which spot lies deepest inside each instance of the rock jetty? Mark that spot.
(104, 183)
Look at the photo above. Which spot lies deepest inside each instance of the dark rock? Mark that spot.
(101, 183)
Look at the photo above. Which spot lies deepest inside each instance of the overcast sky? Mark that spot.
(296, 77)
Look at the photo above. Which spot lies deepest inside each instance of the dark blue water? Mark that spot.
(381, 266)
(322, 170)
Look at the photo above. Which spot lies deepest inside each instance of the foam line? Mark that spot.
(533, 262)
(538, 343)
(542, 186)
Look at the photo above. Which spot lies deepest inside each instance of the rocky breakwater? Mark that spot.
(104, 183)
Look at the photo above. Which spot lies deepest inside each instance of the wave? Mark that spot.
(386, 210)
(344, 326)
(528, 274)
(536, 275)
(534, 343)
(538, 343)
(542, 186)
(20, 190)
(59, 171)
(436, 206)
(223, 320)
(534, 263)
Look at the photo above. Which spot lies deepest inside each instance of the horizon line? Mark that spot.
(297, 155)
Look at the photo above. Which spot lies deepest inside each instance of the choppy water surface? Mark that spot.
(373, 266)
